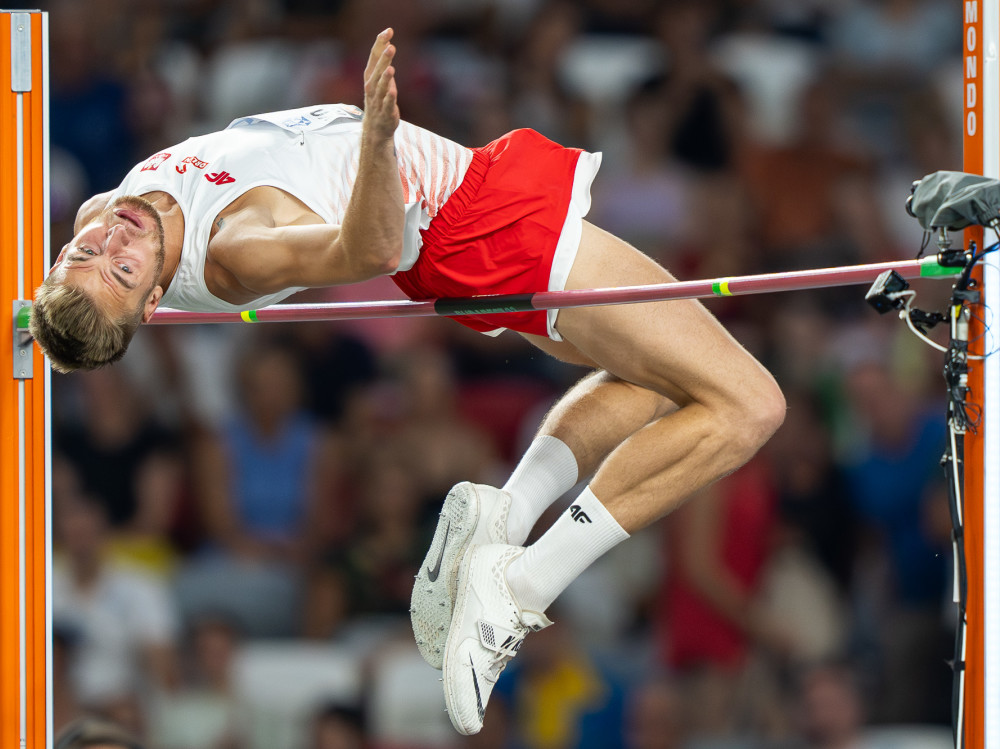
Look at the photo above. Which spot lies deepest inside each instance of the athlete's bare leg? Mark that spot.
(653, 355)
(620, 407)
(676, 403)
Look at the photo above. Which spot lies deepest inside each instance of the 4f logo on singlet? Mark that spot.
(220, 178)
(193, 161)
(154, 161)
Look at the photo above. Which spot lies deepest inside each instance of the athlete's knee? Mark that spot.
(757, 414)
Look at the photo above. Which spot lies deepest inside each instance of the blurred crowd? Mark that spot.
(239, 511)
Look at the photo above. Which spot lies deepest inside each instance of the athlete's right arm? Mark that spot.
(266, 258)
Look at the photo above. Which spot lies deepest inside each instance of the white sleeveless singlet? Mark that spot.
(311, 153)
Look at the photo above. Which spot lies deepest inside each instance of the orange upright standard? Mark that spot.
(25, 721)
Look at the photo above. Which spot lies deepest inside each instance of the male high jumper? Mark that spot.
(323, 195)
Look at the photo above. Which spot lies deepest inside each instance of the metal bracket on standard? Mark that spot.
(20, 52)
(23, 359)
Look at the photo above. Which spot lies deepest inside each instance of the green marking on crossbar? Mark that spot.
(929, 268)
(721, 287)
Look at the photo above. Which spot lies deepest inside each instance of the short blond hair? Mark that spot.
(74, 332)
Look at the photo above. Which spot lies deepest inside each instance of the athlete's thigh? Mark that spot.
(676, 347)
(564, 351)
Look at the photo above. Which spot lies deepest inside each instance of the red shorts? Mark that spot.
(512, 227)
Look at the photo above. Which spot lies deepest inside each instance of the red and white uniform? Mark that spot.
(513, 227)
(312, 153)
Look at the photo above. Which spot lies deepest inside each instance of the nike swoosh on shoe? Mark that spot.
(433, 572)
(479, 696)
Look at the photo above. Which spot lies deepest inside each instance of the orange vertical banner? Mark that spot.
(974, 722)
(24, 552)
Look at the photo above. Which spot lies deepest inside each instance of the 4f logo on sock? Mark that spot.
(579, 515)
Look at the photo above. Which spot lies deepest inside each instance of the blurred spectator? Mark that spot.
(928, 133)
(186, 374)
(558, 696)
(109, 440)
(644, 197)
(806, 583)
(262, 484)
(334, 364)
(87, 101)
(538, 98)
(337, 727)
(802, 192)
(882, 53)
(95, 733)
(830, 708)
(655, 716)
(894, 37)
(703, 127)
(712, 628)
(895, 481)
(204, 713)
(122, 622)
(437, 444)
(146, 540)
(372, 573)
(65, 706)
(814, 499)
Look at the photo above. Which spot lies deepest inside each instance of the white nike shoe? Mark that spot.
(486, 632)
(471, 514)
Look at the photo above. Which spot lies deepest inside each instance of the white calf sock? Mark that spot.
(546, 472)
(576, 539)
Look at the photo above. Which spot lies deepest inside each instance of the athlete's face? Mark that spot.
(117, 258)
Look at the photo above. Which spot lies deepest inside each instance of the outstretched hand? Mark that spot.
(381, 108)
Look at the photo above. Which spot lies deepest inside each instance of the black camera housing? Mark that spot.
(888, 282)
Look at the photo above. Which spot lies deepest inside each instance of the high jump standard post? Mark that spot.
(981, 136)
(25, 655)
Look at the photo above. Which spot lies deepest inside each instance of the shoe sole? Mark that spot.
(449, 698)
(433, 600)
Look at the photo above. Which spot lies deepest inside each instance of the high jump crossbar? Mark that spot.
(927, 267)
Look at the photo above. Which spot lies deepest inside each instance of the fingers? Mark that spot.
(382, 83)
(384, 61)
(379, 69)
(384, 97)
(386, 79)
(381, 109)
(381, 42)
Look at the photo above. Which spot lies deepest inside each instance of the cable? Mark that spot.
(904, 314)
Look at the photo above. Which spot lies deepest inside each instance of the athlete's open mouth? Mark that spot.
(131, 216)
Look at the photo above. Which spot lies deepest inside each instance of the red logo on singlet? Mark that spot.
(220, 178)
(154, 161)
(193, 161)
